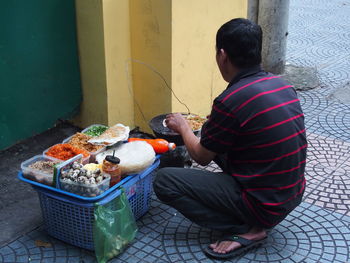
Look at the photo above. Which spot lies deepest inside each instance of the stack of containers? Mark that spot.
(92, 154)
(69, 216)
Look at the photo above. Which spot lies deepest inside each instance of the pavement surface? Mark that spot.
(317, 231)
(19, 209)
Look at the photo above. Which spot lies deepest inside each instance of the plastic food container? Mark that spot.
(37, 175)
(85, 160)
(92, 154)
(93, 125)
(79, 188)
(85, 189)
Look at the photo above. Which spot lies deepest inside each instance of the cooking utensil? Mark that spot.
(162, 131)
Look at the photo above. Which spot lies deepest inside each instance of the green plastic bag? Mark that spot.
(114, 228)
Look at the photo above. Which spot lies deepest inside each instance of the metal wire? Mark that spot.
(131, 90)
(157, 73)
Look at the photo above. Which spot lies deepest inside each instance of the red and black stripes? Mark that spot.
(258, 122)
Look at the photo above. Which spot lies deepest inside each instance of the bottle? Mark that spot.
(111, 166)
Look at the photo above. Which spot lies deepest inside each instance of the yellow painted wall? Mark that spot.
(104, 48)
(174, 38)
(196, 80)
(151, 44)
(117, 52)
(92, 62)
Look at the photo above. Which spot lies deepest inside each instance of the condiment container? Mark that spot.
(111, 166)
(35, 174)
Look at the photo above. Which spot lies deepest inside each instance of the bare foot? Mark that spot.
(227, 246)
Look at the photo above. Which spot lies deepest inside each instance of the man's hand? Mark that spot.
(177, 123)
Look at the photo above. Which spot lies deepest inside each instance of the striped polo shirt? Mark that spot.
(258, 125)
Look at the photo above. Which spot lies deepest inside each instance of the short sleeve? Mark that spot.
(220, 131)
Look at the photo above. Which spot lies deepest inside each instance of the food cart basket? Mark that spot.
(70, 217)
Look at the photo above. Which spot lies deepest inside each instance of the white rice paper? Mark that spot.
(112, 135)
(134, 156)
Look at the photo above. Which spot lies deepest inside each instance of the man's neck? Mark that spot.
(232, 72)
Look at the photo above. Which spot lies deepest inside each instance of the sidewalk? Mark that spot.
(317, 231)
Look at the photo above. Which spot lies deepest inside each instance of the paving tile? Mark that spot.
(6, 250)
(73, 259)
(328, 174)
(49, 253)
(328, 152)
(36, 256)
(9, 258)
(158, 252)
(52, 260)
(15, 245)
(312, 103)
(336, 204)
(34, 250)
(342, 258)
(140, 254)
(24, 259)
(61, 259)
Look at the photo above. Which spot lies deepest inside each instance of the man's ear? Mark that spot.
(223, 56)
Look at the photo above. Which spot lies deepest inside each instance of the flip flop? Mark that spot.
(246, 245)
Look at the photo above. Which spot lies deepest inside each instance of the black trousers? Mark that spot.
(209, 199)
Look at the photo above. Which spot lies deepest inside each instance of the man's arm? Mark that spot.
(198, 153)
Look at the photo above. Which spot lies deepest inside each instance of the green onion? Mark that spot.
(96, 131)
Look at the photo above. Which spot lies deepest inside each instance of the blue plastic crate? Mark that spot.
(70, 218)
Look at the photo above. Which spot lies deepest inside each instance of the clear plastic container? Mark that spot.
(38, 175)
(93, 125)
(76, 187)
(92, 154)
(87, 190)
(84, 161)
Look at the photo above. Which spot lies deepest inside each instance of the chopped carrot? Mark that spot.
(65, 151)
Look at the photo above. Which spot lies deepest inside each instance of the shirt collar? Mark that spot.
(245, 73)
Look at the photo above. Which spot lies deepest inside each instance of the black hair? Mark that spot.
(242, 41)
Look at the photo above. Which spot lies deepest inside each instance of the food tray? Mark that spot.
(92, 154)
(37, 175)
(71, 218)
(84, 160)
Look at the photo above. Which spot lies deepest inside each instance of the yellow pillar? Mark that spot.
(104, 48)
(92, 62)
(116, 23)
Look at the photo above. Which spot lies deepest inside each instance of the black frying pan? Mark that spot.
(161, 131)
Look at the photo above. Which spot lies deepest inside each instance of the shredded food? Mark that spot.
(65, 151)
(43, 166)
(80, 140)
(196, 122)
